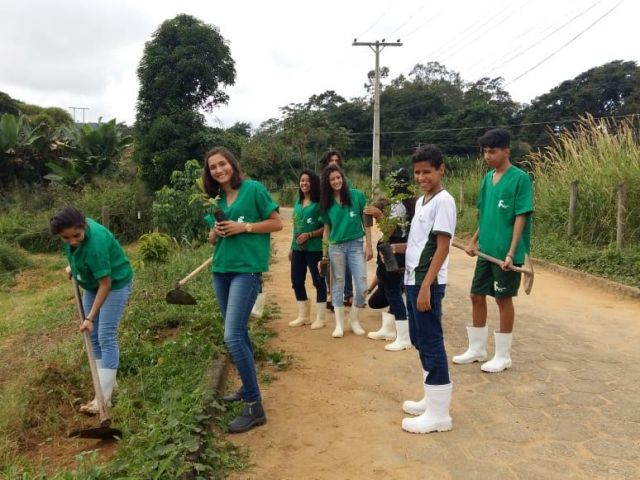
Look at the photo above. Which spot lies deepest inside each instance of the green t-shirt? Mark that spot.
(245, 252)
(499, 205)
(305, 220)
(99, 255)
(346, 220)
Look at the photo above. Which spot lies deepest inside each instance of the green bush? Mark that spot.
(155, 247)
(174, 210)
(11, 259)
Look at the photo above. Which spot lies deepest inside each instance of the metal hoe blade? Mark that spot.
(180, 297)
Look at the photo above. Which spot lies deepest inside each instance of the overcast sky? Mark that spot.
(85, 53)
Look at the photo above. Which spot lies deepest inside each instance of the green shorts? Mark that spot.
(490, 279)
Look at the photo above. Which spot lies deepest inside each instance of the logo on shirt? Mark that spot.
(78, 277)
(309, 220)
(501, 204)
(241, 219)
(498, 288)
(352, 214)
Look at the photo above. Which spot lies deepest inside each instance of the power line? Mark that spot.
(566, 44)
(391, 5)
(535, 44)
(482, 33)
(457, 129)
(422, 25)
(409, 18)
(460, 36)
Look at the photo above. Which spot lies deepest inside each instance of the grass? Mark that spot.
(163, 404)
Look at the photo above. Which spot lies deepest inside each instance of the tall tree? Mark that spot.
(183, 70)
(607, 90)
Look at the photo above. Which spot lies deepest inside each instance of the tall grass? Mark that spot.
(598, 154)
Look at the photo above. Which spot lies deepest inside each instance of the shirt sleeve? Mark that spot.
(480, 201)
(264, 203)
(524, 196)
(445, 219)
(99, 263)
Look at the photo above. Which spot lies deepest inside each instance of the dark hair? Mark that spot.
(68, 217)
(211, 186)
(495, 138)
(324, 161)
(326, 192)
(429, 153)
(314, 182)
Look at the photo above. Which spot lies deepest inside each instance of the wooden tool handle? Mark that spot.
(493, 259)
(195, 272)
(105, 417)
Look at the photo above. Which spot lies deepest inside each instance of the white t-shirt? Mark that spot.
(436, 217)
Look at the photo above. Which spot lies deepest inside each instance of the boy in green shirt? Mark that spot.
(505, 205)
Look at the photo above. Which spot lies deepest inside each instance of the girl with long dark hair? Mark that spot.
(342, 209)
(306, 250)
(240, 257)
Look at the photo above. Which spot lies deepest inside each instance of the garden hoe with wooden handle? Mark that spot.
(104, 431)
(180, 297)
(526, 269)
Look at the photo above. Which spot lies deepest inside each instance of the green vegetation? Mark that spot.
(182, 71)
(599, 155)
(162, 404)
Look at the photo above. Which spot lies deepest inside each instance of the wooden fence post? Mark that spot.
(573, 198)
(105, 216)
(622, 214)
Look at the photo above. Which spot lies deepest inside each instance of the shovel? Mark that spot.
(526, 269)
(104, 431)
(180, 297)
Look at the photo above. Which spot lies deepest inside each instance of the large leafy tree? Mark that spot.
(607, 90)
(183, 70)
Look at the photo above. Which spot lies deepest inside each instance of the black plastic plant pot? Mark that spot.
(219, 215)
(368, 220)
(324, 268)
(389, 259)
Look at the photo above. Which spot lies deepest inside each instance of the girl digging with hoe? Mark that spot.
(101, 268)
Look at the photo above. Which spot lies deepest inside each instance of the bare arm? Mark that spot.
(104, 287)
(518, 228)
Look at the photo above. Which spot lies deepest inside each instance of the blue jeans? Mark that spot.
(349, 253)
(300, 262)
(348, 282)
(105, 326)
(425, 330)
(236, 293)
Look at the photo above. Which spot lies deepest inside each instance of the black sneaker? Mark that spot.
(252, 416)
(330, 306)
(233, 397)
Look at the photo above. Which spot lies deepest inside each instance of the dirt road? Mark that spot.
(568, 409)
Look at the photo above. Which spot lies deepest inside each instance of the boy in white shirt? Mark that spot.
(427, 258)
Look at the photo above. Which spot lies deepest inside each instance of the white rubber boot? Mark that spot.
(402, 341)
(258, 307)
(417, 407)
(436, 416)
(304, 312)
(339, 330)
(387, 330)
(321, 312)
(502, 358)
(477, 351)
(354, 322)
(107, 378)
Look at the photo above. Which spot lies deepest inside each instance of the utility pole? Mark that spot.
(74, 112)
(377, 47)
